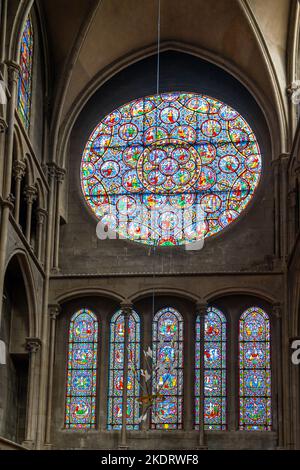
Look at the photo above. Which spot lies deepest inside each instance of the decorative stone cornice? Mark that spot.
(33, 344)
(19, 169)
(54, 310)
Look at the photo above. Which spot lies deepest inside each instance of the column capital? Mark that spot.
(277, 309)
(30, 194)
(126, 306)
(14, 69)
(33, 344)
(19, 169)
(60, 174)
(51, 169)
(3, 125)
(297, 169)
(41, 215)
(201, 307)
(54, 310)
(7, 202)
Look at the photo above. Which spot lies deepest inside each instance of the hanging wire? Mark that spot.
(157, 93)
(158, 49)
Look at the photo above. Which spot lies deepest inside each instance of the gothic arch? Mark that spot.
(113, 69)
(97, 292)
(231, 291)
(30, 289)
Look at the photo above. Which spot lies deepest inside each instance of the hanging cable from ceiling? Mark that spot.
(157, 93)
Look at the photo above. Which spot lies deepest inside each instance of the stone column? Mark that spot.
(284, 158)
(297, 171)
(41, 217)
(60, 175)
(189, 372)
(126, 308)
(54, 311)
(33, 345)
(201, 310)
(19, 173)
(277, 370)
(45, 316)
(275, 166)
(146, 343)
(13, 69)
(30, 196)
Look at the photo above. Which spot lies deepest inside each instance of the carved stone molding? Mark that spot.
(33, 345)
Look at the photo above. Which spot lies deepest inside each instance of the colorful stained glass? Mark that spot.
(25, 79)
(255, 371)
(82, 371)
(170, 169)
(116, 365)
(214, 370)
(167, 375)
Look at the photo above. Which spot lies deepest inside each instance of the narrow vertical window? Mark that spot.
(116, 363)
(25, 79)
(82, 371)
(255, 371)
(214, 370)
(167, 375)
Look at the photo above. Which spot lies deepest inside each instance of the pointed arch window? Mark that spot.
(167, 375)
(81, 390)
(255, 371)
(214, 370)
(116, 362)
(25, 78)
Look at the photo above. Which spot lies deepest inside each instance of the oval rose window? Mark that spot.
(170, 169)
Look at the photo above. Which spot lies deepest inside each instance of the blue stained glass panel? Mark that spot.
(25, 79)
(214, 363)
(115, 379)
(167, 374)
(255, 371)
(80, 411)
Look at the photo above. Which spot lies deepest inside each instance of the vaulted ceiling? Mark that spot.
(91, 40)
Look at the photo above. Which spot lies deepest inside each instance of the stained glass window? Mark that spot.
(25, 79)
(116, 365)
(255, 371)
(170, 169)
(82, 371)
(167, 375)
(214, 370)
